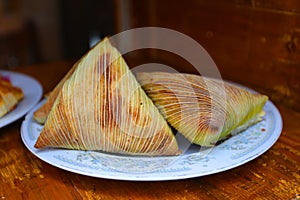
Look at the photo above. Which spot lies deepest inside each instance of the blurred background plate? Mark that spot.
(32, 90)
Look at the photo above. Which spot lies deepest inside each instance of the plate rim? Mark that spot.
(141, 177)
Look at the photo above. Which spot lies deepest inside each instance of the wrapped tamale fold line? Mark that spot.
(102, 107)
(41, 114)
(199, 112)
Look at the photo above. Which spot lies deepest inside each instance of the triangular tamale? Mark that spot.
(186, 103)
(102, 107)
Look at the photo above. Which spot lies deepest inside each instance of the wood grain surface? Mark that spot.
(273, 175)
(254, 42)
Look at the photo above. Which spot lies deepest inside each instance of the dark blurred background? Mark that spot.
(253, 42)
(34, 31)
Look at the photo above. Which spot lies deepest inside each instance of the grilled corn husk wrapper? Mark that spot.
(204, 115)
(102, 107)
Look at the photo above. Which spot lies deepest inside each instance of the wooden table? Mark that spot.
(273, 175)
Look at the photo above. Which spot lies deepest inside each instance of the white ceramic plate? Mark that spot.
(32, 90)
(195, 162)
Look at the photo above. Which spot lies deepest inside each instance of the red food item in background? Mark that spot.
(5, 78)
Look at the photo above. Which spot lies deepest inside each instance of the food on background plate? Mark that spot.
(201, 113)
(101, 106)
(10, 96)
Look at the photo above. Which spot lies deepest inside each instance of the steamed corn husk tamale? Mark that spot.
(201, 113)
(102, 107)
